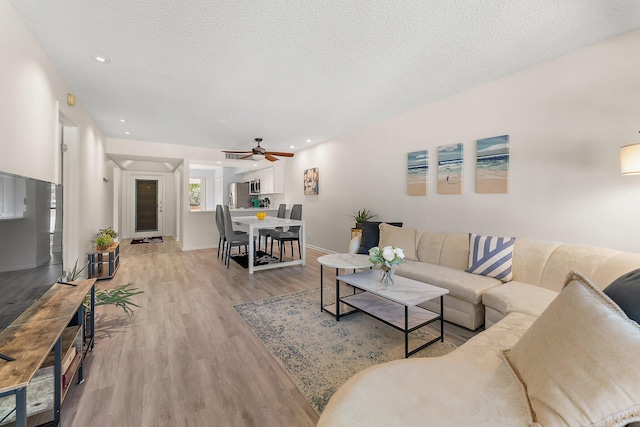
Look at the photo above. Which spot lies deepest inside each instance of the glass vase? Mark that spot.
(386, 274)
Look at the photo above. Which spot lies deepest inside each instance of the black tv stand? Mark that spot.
(7, 358)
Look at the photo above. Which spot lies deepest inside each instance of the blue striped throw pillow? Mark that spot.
(491, 256)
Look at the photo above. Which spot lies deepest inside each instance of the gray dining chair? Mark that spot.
(266, 232)
(222, 241)
(234, 238)
(291, 235)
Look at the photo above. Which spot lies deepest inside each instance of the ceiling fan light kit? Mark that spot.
(259, 153)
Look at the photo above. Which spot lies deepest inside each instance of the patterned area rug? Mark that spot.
(320, 354)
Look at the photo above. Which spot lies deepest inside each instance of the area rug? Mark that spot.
(156, 239)
(261, 258)
(320, 354)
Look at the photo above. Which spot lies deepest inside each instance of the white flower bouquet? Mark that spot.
(388, 257)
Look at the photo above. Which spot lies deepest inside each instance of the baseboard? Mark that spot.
(317, 248)
(195, 248)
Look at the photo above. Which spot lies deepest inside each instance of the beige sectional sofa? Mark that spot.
(575, 365)
(539, 269)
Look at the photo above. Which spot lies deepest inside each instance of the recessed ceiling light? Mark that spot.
(308, 140)
(292, 146)
(255, 164)
(100, 58)
(127, 133)
(219, 163)
(123, 120)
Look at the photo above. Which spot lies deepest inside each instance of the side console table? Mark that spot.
(50, 325)
(104, 264)
(338, 261)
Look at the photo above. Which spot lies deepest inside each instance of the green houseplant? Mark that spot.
(109, 232)
(362, 216)
(103, 241)
(120, 296)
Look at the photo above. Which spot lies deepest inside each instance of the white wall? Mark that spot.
(566, 119)
(33, 98)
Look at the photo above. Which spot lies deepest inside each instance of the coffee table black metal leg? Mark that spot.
(337, 297)
(442, 318)
(321, 287)
(406, 331)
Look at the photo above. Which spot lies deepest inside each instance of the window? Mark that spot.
(197, 191)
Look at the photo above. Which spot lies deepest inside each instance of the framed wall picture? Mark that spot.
(492, 165)
(450, 169)
(418, 173)
(311, 179)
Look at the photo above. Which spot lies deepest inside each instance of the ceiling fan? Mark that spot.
(259, 153)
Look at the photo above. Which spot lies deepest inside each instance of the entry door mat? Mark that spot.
(318, 353)
(261, 258)
(157, 239)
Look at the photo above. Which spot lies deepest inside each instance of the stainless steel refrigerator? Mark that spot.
(239, 196)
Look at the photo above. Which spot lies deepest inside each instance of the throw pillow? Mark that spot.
(577, 363)
(398, 237)
(625, 291)
(371, 235)
(491, 256)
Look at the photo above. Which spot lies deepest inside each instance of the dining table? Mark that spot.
(252, 225)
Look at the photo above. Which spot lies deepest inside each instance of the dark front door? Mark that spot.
(146, 205)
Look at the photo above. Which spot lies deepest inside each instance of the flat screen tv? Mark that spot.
(30, 242)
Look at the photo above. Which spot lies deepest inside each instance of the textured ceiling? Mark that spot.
(219, 73)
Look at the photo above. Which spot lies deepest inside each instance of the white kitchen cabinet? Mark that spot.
(272, 180)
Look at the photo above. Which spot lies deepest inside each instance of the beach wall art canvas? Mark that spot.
(492, 167)
(450, 169)
(417, 173)
(311, 180)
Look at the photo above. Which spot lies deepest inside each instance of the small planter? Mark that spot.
(358, 225)
(103, 247)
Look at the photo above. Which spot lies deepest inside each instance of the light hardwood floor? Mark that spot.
(186, 358)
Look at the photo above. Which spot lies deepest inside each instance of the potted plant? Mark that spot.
(120, 296)
(362, 216)
(109, 232)
(103, 242)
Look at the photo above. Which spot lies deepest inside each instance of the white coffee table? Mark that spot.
(338, 261)
(396, 304)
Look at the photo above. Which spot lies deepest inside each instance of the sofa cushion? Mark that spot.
(371, 235)
(518, 297)
(577, 362)
(529, 259)
(491, 256)
(455, 251)
(465, 286)
(398, 237)
(430, 247)
(625, 291)
(568, 257)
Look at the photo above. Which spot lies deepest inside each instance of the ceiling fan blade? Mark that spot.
(236, 152)
(270, 157)
(245, 157)
(279, 153)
